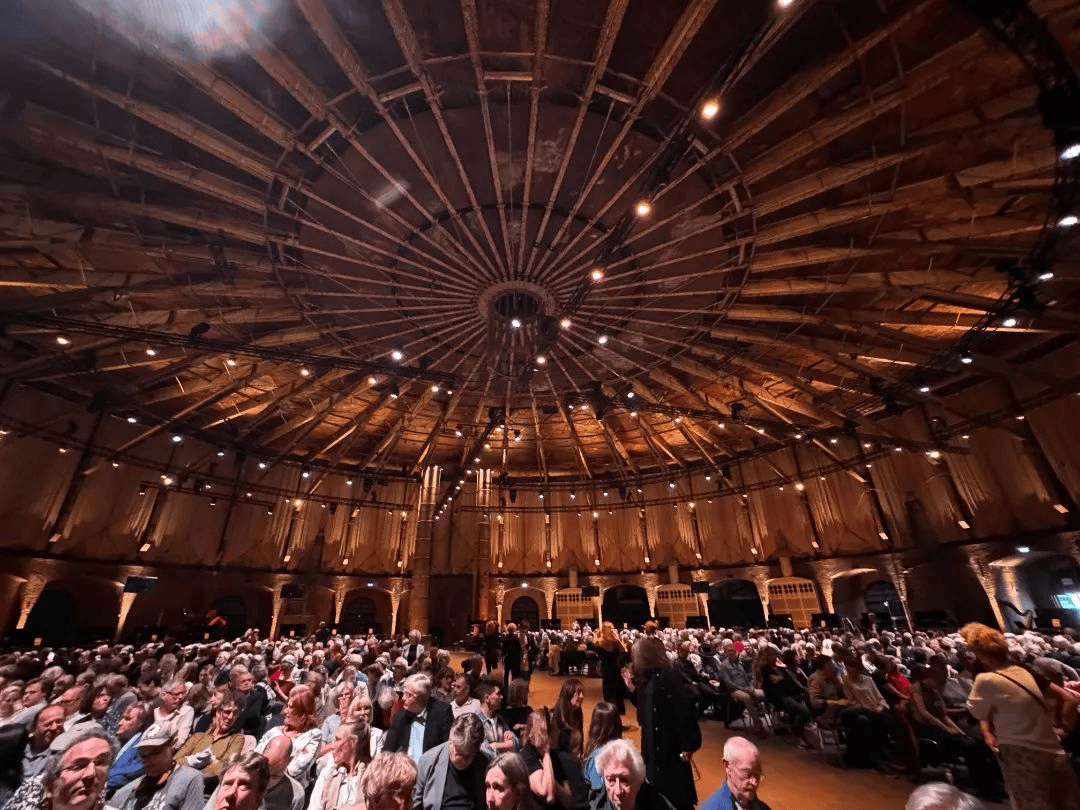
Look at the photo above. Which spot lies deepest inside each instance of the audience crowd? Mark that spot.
(367, 723)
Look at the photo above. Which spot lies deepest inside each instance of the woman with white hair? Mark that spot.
(941, 796)
(622, 770)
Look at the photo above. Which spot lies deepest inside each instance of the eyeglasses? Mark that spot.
(747, 776)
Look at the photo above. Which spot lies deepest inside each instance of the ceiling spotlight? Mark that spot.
(572, 495)
(230, 362)
(965, 437)
(63, 340)
(630, 394)
(785, 3)
(1067, 221)
(800, 486)
(1071, 152)
(643, 209)
(798, 435)
(517, 435)
(633, 413)
(262, 465)
(348, 482)
(132, 420)
(1049, 274)
(564, 323)
(305, 473)
(221, 452)
(394, 392)
(458, 433)
(115, 464)
(434, 389)
(1023, 549)
(167, 480)
(516, 323)
(63, 449)
(305, 372)
(966, 359)
(213, 502)
(605, 493)
(177, 438)
(597, 274)
(151, 352)
(397, 355)
(832, 441)
(487, 445)
(925, 389)
(602, 339)
(540, 360)
(671, 484)
(371, 380)
(1009, 323)
(710, 109)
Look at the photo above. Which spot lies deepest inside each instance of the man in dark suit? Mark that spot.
(517, 654)
(423, 723)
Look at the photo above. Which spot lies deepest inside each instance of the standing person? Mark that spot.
(669, 728)
(742, 778)
(1009, 705)
(164, 785)
(515, 655)
(492, 647)
(612, 656)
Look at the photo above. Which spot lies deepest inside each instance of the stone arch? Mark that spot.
(365, 608)
(626, 604)
(735, 603)
(233, 609)
(947, 591)
(796, 597)
(70, 611)
(849, 590)
(513, 595)
(883, 600)
(1046, 582)
(525, 608)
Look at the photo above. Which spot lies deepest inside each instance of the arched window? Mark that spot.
(525, 609)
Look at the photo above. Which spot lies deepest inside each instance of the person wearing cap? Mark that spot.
(164, 785)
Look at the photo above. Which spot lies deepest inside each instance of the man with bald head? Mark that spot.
(283, 792)
(743, 776)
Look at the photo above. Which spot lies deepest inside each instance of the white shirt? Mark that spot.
(180, 721)
(470, 706)
(1018, 717)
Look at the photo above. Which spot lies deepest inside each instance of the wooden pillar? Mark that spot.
(77, 478)
(420, 591)
(978, 563)
(482, 597)
(32, 588)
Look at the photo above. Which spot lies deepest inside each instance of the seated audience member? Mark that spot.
(35, 697)
(516, 708)
(341, 698)
(299, 726)
(423, 722)
(941, 796)
(444, 685)
(92, 707)
(742, 778)
(738, 679)
(625, 788)
(605, 725)
(244, 782)
(548, 782)
(339, 784)
(704, 694)
(461, 702)
(283, 792)
(867, 721)
(783, 691)
(207, 751)
(47, 725)
(361, 709)
(13, 739)
(506, 786)
(164, 784)
(451, 774)
(498, 738)
(251, 720)
(73, 778)
(388, 782)
(10, 702)
(127, 765)
(173, 713)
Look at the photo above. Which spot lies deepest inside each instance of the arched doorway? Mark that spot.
(358, 615)
(52, 618)
(74, 611)
(884, 602)
(735, 603)
(626, 605)
(233, 610)
(525, 608)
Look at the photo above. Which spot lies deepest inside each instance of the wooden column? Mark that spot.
(482, 597)
(420, 592)
(78, 476)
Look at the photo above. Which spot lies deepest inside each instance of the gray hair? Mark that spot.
(739, 749)
(419, 683)
(621, 750)
(467, 733)
(255, 764)
(941, 796)
(72, 738)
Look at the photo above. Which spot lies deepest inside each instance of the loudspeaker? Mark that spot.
(699, 587)
(139, 584)
(293, 590)
(825, 620)
(781, 620)
(696, 622)
(551, 624)
(590, 590)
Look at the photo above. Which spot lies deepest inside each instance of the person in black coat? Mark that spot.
(669, 728)
(417, 702)
(612, 657)
(517, 654)
(492, 646)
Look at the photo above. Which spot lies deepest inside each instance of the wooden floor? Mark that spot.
(794, 779)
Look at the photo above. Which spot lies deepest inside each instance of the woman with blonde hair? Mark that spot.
(1008, 702)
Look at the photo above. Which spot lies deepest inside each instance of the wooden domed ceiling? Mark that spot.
(231, 214)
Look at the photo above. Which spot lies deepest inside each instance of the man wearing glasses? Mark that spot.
(207, 751)
(744, 775)
(423, 723)
(173, 713)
